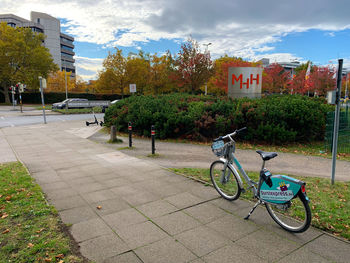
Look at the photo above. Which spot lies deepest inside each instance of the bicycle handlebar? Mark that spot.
(231, 134)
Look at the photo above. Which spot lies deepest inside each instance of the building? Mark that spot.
(288, 66)
(61, 46)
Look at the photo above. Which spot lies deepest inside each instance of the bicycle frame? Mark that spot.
(232, 159)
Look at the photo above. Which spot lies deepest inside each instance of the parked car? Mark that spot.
(114, 101)
(63, 104)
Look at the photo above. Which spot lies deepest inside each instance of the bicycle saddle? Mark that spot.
(266, 155)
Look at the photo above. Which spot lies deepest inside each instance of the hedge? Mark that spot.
(273, 119)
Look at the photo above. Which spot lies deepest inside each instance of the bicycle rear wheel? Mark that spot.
(297, 208)
(224, 181)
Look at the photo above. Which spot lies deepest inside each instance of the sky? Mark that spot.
(280, 30)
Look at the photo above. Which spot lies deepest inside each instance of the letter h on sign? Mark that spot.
(249, 80)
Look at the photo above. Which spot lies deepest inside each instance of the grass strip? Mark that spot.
(30, 230)
(330, 204)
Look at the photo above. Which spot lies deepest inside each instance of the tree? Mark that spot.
(113, 76)
(275, 79)
(80, 85)
(138, 71)
(57, 83)
(161, 69)
(106, 82)
(218, 83)
(321, 80)
(193, 68)
(23, 58)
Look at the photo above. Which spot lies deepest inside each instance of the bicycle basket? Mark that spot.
(218, 148)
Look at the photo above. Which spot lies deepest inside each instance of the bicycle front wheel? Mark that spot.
(295, 216)
(224, 181)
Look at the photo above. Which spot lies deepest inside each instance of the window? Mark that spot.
(38, 20)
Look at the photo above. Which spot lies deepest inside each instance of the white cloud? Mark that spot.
(87, 68)
(238, 28)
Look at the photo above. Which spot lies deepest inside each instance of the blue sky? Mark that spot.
(279, 30)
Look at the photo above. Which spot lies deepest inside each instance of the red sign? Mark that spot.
(249, 80)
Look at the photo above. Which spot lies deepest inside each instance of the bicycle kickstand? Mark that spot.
(251, 211)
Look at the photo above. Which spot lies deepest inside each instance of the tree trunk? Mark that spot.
(6, 95)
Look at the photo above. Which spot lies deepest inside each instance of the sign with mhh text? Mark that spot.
(244, 82)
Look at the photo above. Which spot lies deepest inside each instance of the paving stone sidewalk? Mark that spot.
(126, 209)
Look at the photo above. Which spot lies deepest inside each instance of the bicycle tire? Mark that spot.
(299, 207)
(230, 190)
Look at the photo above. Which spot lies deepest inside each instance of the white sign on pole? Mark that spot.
(132, 88)
(44, 85)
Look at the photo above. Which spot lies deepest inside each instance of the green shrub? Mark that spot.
(273, 119)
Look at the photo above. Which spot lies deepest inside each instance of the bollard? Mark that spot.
(153, 135)
(130, 134)
(113, 134)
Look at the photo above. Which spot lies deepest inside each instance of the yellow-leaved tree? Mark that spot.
(23, 58)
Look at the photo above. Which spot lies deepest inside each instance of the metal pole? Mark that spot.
(206, 53)
(13, 98)
(336, 119)
(153, 134)
(42, 97)
(65, 78)
(130, 134)
(20, 101)
(346, 86)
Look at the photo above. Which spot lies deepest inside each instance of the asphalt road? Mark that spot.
(12, 118)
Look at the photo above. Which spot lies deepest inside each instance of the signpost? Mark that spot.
(13, 96)
(132, 88)
(336, 119)
(42, 82)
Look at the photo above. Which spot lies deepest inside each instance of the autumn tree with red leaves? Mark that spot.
(276, 79)
(193, 68)
(321, 80)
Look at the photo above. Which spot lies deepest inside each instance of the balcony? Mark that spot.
(67, 43)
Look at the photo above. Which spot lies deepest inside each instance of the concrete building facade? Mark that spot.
(61, 46)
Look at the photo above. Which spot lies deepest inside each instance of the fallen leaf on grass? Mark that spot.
(8, 198)
(4, 216)
(61, 256)
(47, 259)
(39, 231)
(30, 245)
(6, 231)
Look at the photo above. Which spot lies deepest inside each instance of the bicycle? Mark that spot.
(282, 195)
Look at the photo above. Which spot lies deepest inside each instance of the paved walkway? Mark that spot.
(126, 209)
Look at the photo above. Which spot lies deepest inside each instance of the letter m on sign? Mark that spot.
(237, 79)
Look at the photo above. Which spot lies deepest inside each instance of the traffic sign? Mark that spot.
(132, 88)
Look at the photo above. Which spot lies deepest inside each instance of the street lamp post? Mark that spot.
(206, 52)
(65, 77)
